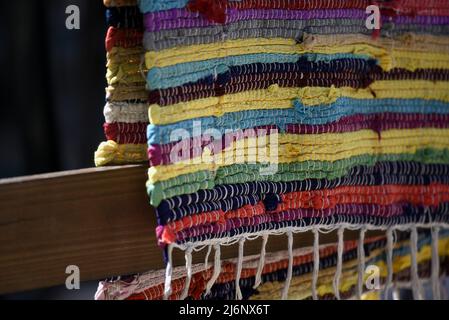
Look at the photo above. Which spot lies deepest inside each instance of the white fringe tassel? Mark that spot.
(316, 262)
(389, 253)
(290, 267)
(217, 269)
(435, 265)
(168, 273)
(361, 263)
(206, 259)
(338, 272)
(416, 285)
(261, 262)
(238, 292)
(188, 257)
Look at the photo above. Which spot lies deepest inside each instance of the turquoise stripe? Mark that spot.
(160, 5)
(160, 134)
(182, 73)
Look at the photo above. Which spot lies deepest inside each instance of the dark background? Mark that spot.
(52, 95)
(52, 86)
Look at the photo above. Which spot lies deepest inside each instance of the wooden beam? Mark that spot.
(96, 219)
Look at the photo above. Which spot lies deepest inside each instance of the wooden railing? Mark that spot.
(97, 219)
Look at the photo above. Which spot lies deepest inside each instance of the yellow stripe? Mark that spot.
(314, 147)
(389, 53)
(276, 97)
(112, 153)
(124, 65)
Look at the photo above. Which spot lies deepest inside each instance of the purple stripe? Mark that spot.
(378, 122)
(181, 18)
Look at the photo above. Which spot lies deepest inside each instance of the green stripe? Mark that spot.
(241, 173)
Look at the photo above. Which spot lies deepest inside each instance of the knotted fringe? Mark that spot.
(168, 273)
(316, 262)
(188, 257)
(288, 280)
(389, 254)
(416, 285)
(436, 293)
(206, 259)
(217, 269)
(261, 262)
(238, 292)
(361, 263)
(338, 272)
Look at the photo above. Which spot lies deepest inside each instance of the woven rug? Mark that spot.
(277, 118)
(126, 116)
